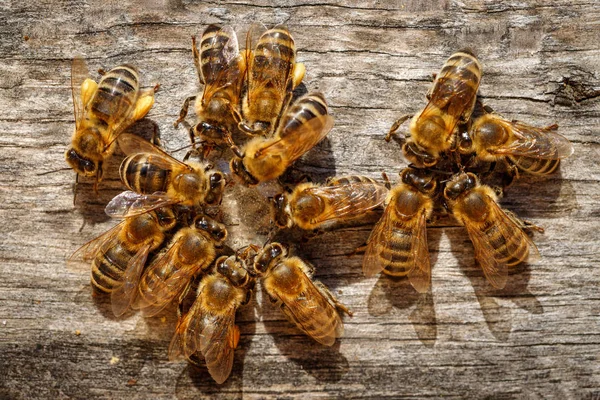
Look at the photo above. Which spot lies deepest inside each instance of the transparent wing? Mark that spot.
(420, 274)
(124, 295)
(79, 73)
(535, 142)
(380, 238)
(132, 144)
(218, 340)
(88, 251)
(297, 142)
(349, 200)
(129, 204)
(254, 33)
(184, 343)
(220, 60)
(313, 313)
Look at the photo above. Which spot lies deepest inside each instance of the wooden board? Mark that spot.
(373, 60)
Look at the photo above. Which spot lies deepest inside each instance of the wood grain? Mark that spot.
(538, 338)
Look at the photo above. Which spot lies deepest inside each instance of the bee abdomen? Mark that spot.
(346, 180)
(280, 45)
(305, 109)
(461, 67)
(510, 250)
(116, 94)
(536, 166)
(141, 176)
(108, 268)
(214, 40)
(398, 254)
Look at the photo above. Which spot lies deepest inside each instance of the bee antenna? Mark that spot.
(55, 170)
(181, 148)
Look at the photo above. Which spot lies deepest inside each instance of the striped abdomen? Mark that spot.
(398, 252)
(271, 74)
(304, 110)
(456, 86)
(510, 250)
(142, 176)
(109, 266)
(116, 95)
(218, 48)
(535, 166)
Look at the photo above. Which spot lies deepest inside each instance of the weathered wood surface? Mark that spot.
(538, 338)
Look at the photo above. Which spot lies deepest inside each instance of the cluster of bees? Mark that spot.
(171, 238)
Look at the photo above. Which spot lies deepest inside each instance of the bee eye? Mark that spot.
(88, 166)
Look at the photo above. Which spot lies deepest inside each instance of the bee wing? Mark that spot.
(454, 99)
(300, 140)
(254, 33)
(420, 274)
(124, 295)
(266, 68)
(133, 144)
(219, 59)
(492, 261)
(79, 73)
(313, 313)
(216, 336)
(129, 204)
(88, 251)
(535, 142)
(159, 291)
(380, 238)
(352, 199)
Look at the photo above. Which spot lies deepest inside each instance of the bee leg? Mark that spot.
(75, 188)
(552, 127)
(358, 250)
(88, 88)
(236, 150)
(143, 104)
(512, 173)
(387, 183)
(197, 63)
(184, 110)
(101, 71)
(335, 302)
(298, 75)
(396, 126)
(181, 299)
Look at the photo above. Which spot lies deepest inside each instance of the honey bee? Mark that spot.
(162, 180)
(119, 255)
(304, 125)
(219, 67)
(310, 206)
(533, 150)
(191, 251)
(497, 236)
(209, 325)
(398, 243)
(102, 111)
(308, 304)
(451, 102)
(271, 75)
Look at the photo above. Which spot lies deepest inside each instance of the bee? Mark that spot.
(271, 75)
(304, 125)
(102, 111)
(190, 252)
(219, 67)
(308, 304)
(209, 325)
(119, 255)
(497, 236)
(533, 150)
(160, 179)
(398, 243)
(451, 102)
(310, 206)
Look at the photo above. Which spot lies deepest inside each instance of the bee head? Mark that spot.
(278, 208)
(460, 184)
(216, 230)
(239, 170)
(421, 179)
(80, 164)
(216, 185)
(416, 155)
(232, 269)
(270, 254)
